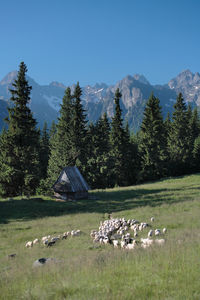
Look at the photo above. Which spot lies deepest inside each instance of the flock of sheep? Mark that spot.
(50, 241)
(115, 232)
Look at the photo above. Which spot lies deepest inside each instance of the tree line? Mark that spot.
(106, 153)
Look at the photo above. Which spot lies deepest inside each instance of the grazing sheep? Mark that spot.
(36, 241)
(123, 244)
(144, 246)
(157, 232)
(115, 243)
(55, 239)
(140, 227)
(45, 242)
(29, 244)
(51, 243)
(106, 241)
(164, 230)
(44, 238)
(74, 233)
(150, 233)
(160, 241)
(64, 236)
(131, 246)
(152, 219)
(144, 225)
(147, 241)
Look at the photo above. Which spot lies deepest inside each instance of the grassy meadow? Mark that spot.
(88, 271)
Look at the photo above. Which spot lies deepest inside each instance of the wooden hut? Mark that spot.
(71, 185)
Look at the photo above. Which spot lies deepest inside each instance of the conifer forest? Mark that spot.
(106, 152)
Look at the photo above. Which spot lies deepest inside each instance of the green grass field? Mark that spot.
(88, 271)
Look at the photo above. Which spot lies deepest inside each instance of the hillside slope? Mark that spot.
(85, 270)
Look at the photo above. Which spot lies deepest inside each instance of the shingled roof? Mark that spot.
(70, 181)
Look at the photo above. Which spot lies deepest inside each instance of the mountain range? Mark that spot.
(97, 99)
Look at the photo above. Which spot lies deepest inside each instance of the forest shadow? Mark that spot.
(98, 202)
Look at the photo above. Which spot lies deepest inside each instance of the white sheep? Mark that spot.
(29, 244)
(150, 233)
(157, 232)
(74, 233)
(152, 219)
(44, 238)
(131, 246)
(147, 241)
(160, 241)
(164, 230)
(144, 246)
(140, 227)
(115, 243)
(106, 240)
(45, 242)
(36, 241)
(123, 244)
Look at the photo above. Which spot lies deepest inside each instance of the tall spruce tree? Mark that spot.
(194, 132)
(79, 132)
(61, 154)
(119, 142)
(178, 142)
(44, 151)
(99, 158)
(153, 142)
(19, 157)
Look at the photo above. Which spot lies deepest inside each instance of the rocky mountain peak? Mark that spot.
(8, 79)
(57, 84)
(141, 78)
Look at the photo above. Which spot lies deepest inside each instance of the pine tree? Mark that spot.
(79, 131)
(196, 155)
(153, 143)
(19, 162)
(119, 142)
(61, 154)
(99, 162)
(44, 151)
(194, 132)
(167, 125)
(179, 138)
(52, 130)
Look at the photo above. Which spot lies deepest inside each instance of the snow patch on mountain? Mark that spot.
(53, 101)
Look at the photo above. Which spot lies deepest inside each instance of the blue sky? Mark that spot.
(100, 40)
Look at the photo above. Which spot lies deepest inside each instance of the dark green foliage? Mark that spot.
(196, 155)
(68, 141)
(120, 146)
(78, 131)
(167, 125)
(52, 130)
(106, 154)
(153, 142)
(99, 164)
(61, 154)
(179, 141)
(44, 151)
(19, 157)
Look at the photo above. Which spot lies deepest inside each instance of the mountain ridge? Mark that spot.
(99, 98)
